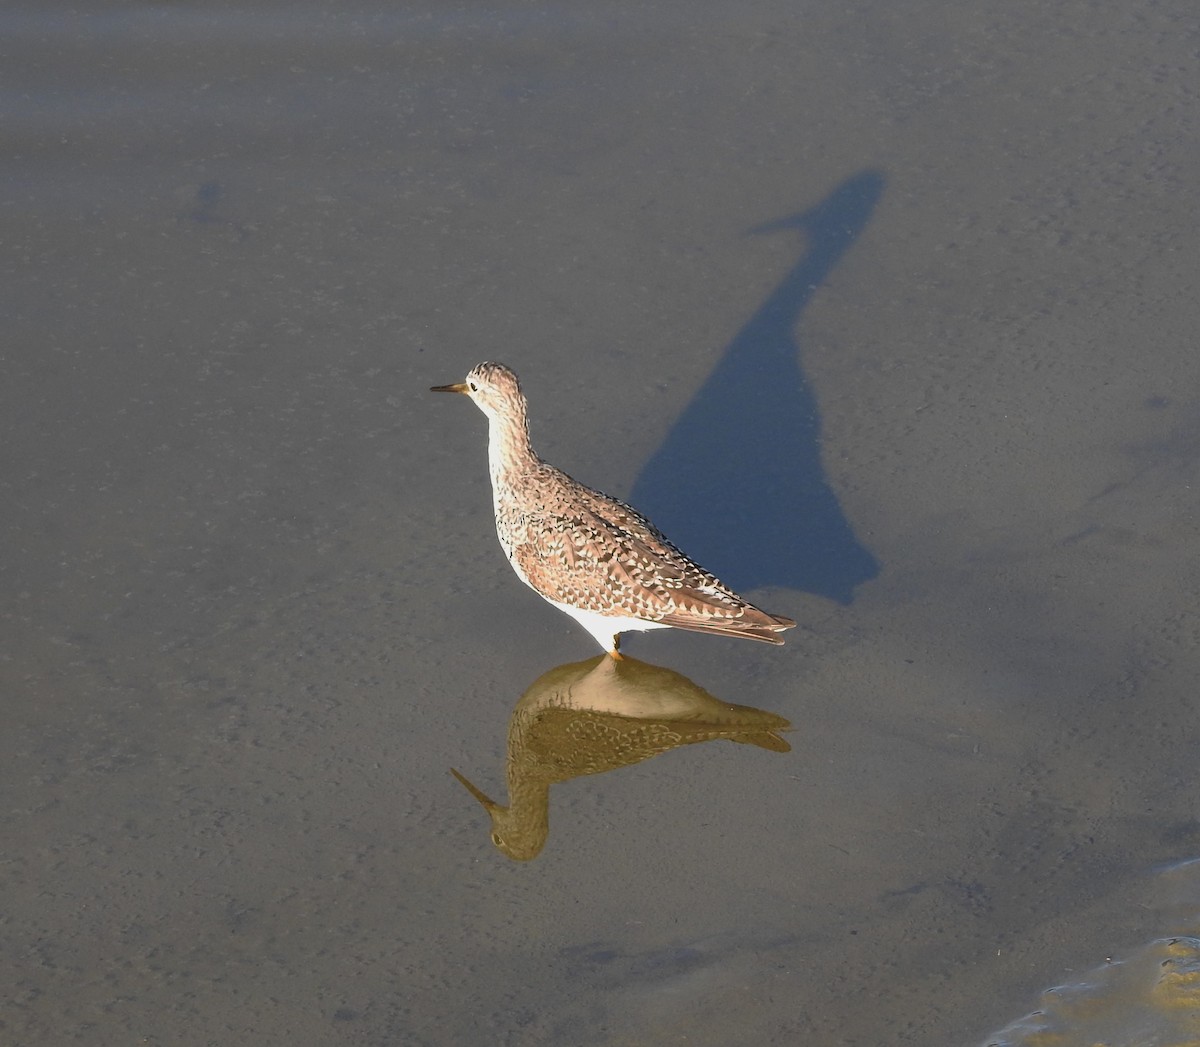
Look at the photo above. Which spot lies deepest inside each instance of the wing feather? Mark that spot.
(595, 552)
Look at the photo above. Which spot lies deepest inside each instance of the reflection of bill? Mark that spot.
(598, 715)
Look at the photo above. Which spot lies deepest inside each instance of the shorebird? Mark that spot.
(591, 556)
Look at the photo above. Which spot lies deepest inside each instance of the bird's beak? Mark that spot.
(481, 796)
(459, 387)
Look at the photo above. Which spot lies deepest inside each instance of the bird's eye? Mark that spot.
(473, 387)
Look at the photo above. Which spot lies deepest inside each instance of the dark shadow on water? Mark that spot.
(738, 481)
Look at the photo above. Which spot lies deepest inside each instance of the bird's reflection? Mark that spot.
(598, 715)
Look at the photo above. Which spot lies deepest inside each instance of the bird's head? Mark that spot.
(494, 388)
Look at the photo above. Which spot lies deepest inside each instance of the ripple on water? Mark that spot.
(1149, 999)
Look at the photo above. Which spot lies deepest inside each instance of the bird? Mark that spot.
(590, 555)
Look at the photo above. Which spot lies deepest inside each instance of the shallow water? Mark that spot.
(254, 608)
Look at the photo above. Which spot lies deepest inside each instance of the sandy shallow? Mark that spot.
(888, 314)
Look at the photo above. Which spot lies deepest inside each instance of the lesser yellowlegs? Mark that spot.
(595, 558)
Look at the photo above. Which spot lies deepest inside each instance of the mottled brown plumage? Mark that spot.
(595, 558)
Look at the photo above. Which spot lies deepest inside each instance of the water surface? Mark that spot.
(254, 609)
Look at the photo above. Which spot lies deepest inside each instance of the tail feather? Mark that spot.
(765, 740)
(763, 631)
